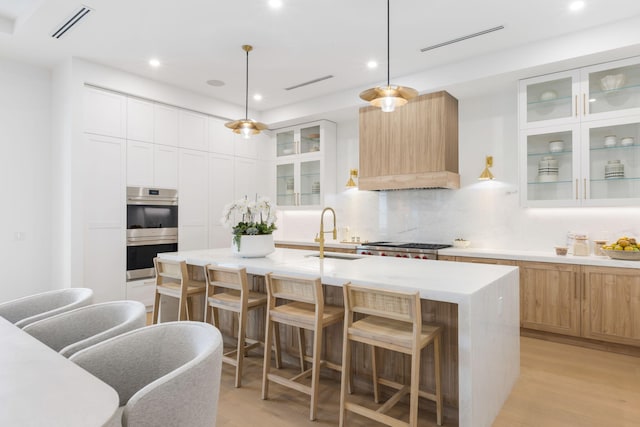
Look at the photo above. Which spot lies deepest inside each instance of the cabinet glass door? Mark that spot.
(550, 100)
(613, 89)
(285, 185)
(551, 166)
(310, 139)
(285, 143)
(310, 183)
(613, 161)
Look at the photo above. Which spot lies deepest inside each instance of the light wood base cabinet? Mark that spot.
(611, 305)
(550, 297)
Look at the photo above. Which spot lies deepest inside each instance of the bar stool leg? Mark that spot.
(242, 325)
(436, 362)
(156, 308)
(301, 348)
(374, 375)
(315, 370)
(415, 385)
(346, 377)
(276, 345)
(267, 357)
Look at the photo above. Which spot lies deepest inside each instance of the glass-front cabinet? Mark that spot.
(580, 137)
(305, 164)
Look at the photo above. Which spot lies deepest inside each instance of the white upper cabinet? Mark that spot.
(247, 147)
(151, 165)
(139, 164)
(193, 219)
(105, 113)
(192, 129)
(305, 164)
(165, 166)
(165, 125)
(221, 138)
(140, 120)
(580, 137)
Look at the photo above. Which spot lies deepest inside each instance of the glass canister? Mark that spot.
(581, 245)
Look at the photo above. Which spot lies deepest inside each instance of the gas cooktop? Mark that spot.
(422, 246)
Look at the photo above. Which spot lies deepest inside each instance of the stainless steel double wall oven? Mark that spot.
(152, 228)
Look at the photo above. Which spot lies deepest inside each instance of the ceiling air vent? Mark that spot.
(310, 82)
(71, 22)
(459, 39)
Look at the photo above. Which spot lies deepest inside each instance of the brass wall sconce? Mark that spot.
(486, 173)
(353, 173)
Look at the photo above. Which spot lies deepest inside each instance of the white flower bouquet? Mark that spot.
(249, 218)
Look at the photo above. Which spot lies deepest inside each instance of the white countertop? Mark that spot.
(435, 280)
(327, 243)
(39, 387)
(540, 256)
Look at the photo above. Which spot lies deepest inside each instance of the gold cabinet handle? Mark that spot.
(585, 188)
(576, 189)
(584, 104)
(576, 102)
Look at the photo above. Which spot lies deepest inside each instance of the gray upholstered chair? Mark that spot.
(74, 330)
(166, 374)
(29, 309)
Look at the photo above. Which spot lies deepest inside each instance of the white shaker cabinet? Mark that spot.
(104, 194)
(165, 125)
(192, 130)
(221, 193)
(105, 113)
(221, 138)
(140, 120)
(193, 216)
(305, 164)
(580, 137)
(151, 165)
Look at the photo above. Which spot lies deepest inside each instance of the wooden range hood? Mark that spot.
(416, 146)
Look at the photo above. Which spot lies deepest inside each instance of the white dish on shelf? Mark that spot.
(612, 81)
(548, 95)
(626, 141)
(556, 146)
(610, 141)
(287, 151)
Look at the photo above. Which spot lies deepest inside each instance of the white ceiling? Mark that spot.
(200, 40)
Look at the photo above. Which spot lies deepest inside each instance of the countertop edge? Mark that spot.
(540, 256)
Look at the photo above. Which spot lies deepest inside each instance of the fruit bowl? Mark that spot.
(626, 255)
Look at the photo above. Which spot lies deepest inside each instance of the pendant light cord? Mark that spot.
(246, 91)
(388, 48)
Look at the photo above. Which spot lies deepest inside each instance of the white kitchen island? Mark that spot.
(486, 296)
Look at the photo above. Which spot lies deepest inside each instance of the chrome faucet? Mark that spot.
(320, 237)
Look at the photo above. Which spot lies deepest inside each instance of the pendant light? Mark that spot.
(246, 127)
(388, 97)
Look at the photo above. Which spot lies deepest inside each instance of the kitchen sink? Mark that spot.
(348, 257)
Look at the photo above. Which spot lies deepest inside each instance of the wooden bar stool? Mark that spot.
(305, 311)
(172, 279)
(228, 289)
(393, 320)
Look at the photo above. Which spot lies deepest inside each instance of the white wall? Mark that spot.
(25, 172)
(487, 213)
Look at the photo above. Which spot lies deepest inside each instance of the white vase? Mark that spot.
(255, 246)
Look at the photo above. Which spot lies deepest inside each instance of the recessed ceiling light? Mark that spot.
(257, 97)
(275, 4)
(155, 63)
(215, 83)
(372, 64)
(576, 5)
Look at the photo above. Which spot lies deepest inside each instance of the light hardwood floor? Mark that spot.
(559, 385)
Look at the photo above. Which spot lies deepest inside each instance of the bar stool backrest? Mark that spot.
(395, 305)
(228, 278)
(295, 289)
(170, 271)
